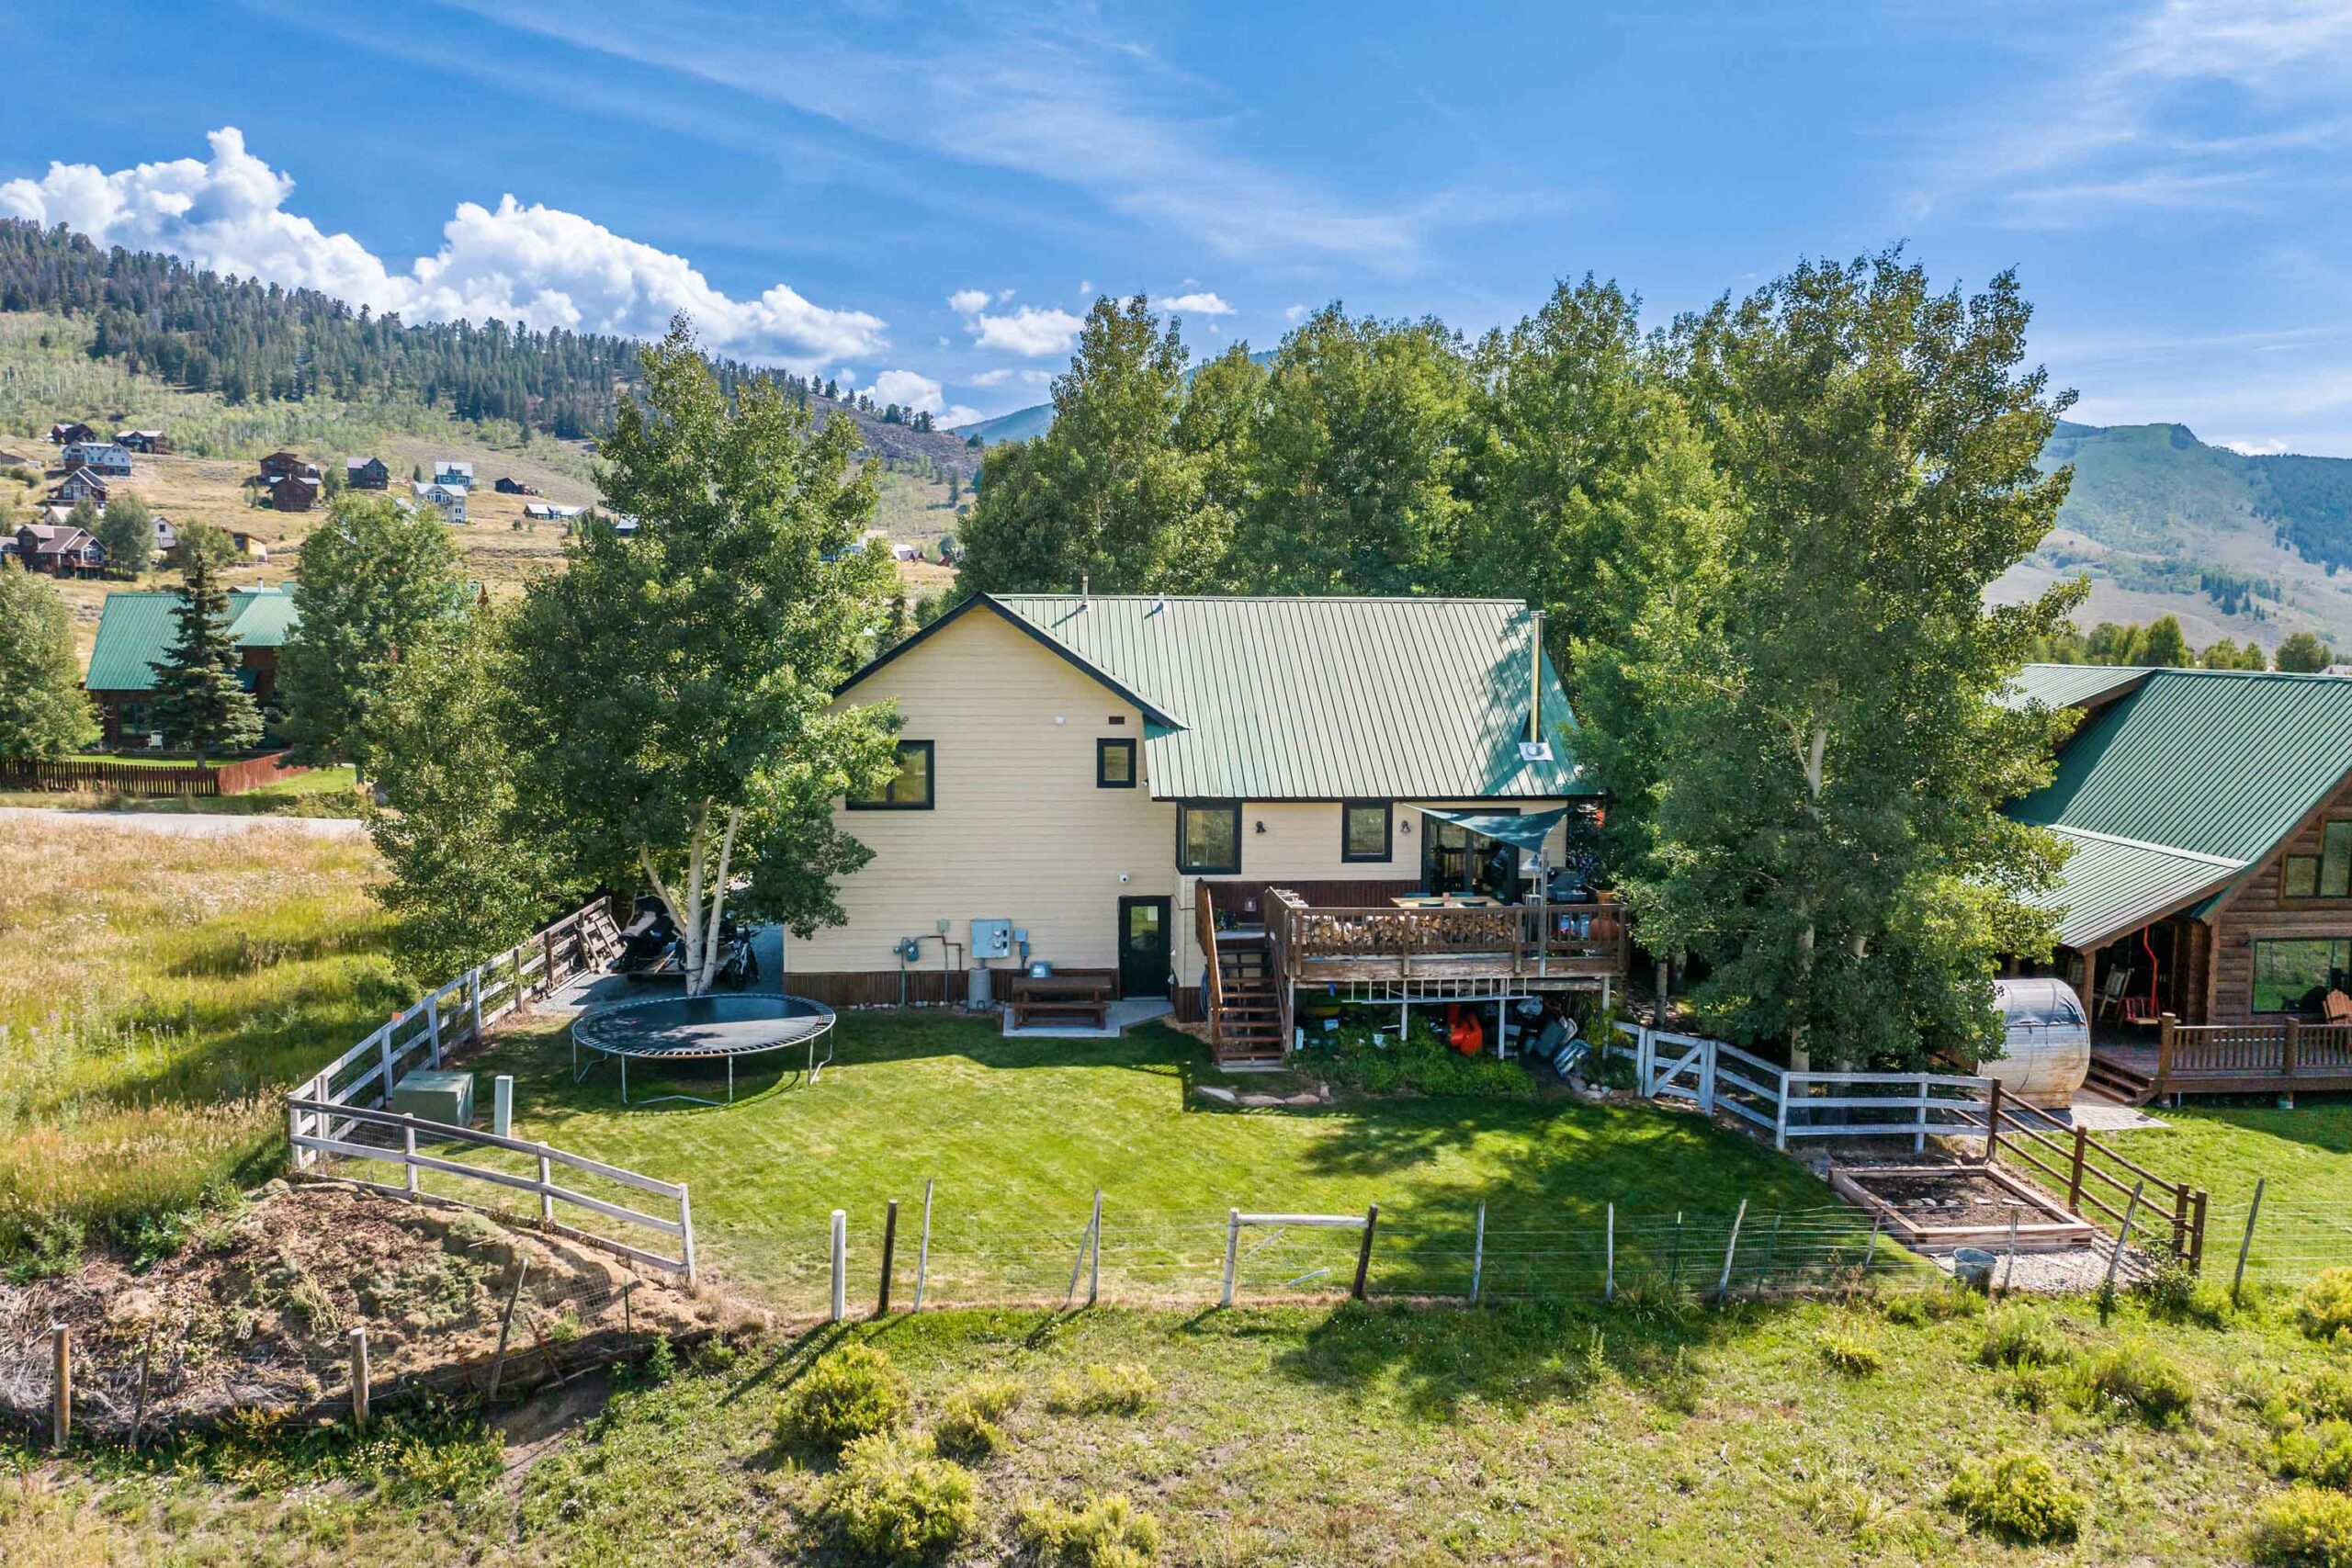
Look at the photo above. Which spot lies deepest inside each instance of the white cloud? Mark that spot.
(522, 263)
(2269, 447)
(955, 414)
(969, 301)
(1205, 303)
(1029, 332)
(1294, 313)
(1085, 287)
(1005, 376)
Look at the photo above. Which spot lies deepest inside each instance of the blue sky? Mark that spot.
(924, 194)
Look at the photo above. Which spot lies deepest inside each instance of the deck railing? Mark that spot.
(2262, 1053)
(1526, 940)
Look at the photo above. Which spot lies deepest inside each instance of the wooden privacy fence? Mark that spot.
(343, 1111)
(2097, 1182)
(127, 778)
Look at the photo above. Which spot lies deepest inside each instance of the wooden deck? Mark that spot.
(1536, 945)
(2284, 1057)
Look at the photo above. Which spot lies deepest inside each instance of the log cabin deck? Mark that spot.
(1534, 945)
(2284, 1056)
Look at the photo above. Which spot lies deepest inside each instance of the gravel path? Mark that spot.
(189, 824)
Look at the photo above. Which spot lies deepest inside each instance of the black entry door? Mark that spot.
(1143, 947)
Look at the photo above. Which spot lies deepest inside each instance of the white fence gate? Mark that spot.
(1717, 1076)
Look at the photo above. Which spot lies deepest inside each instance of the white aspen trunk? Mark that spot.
(1800, 1051)
(717, 902)
(690, 928)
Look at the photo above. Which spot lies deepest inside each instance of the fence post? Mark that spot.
(686, 1223)
(2124, 1238)
(2245, 1246)
(433, 1025)
(1363, 1252)
(359, 1379)
(2196, 1232)
(1993, 1124)
(2074, 1171)
(1780, 1114)
(1707, 1078)
(2180, 1221)
(889, 1254)
(840, 1265)
(547, 1199)
(923, 1252)
(1644, 1048)
(1094, 1266)
(507, 1326)
(1609, 1256)
(1919, 1138)
(60, 1392)
(1232, 1253)
(1478, 1255)
(384, 1060)
(473, 999)
(408, 1164)
(1723, 1285)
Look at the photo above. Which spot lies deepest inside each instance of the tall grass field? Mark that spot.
(158, 991)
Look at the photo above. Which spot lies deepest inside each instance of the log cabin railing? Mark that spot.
(2283, 1050)
(1531, 939)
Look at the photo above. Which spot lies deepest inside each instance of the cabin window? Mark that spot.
(1208, 837)
(909, 788)
(1364, 829)
(2295, 976)
(1115, 764)
(2300, 879)
(2327, 874)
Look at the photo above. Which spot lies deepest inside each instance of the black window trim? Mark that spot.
(1104, 747)
(1387, 809)
(1233, 809)
(930, 784)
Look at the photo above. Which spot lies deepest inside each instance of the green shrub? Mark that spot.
(2172, 1292)
(1654, 1297)
(2016, 1497)
(2325, 1309)
(893, 1500)
(1106, 1532)
(1849, 1352)
(968, 1426)
(2140, 1379)
(1915, 1309)
(2022, 1337)
(1421, 1063)
(1122, 1390)
(852, 1393)
(2325, 1395)
(2320, 1454)
(2305, 1529)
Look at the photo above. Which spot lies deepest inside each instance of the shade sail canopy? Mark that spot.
(1526, 833)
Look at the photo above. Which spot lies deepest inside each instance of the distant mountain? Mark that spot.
(2235, 545)
(1021, 425)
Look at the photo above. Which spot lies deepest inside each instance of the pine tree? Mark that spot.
(201, 704)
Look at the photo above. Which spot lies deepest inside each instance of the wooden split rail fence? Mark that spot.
(2096, 1181)
(345, 1111)
(147, 780)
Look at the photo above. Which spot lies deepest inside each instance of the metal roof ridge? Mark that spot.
(2174, 850)
(1266, 598)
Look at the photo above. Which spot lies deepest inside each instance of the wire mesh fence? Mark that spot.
(2287, 1239)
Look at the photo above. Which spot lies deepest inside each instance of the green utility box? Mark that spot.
(435, 1095)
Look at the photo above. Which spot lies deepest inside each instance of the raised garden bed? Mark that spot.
(1936, 1208)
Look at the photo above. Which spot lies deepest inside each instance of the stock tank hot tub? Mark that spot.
(2046, 1041)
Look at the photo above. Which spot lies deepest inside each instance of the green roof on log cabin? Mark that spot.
(135, 633)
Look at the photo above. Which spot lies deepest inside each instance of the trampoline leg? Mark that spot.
(730, 1080)
(624, 1080)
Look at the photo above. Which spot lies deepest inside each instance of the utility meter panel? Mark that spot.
(992, 939)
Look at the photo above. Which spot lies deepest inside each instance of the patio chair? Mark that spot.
(2110, 993)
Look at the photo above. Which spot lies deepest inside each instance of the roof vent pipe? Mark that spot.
(1535, 684)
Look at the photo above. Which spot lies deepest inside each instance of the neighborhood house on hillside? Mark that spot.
(2206, 907)
(505, 486)
(294, 492)
(549, 512)
(167, 539)
(108, 458)
(81, 484)
(148, 441)
(450, 500)
(135, 635)
(365, 473)
(282, 463)
(450, 472)
(65, 434)
(58, 550)
(1219, 805)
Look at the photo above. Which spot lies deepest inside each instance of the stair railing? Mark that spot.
(1204, 919)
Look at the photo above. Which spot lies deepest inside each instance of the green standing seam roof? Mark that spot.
(1314, 698)
(135, 632)
(1281, 699)
(2064, 685)
(2178, 787)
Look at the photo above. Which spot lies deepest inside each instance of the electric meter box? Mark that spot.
(992, 939)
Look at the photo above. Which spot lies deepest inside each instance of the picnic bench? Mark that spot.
(1066, 996)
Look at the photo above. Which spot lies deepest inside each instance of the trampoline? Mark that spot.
(704, 1028)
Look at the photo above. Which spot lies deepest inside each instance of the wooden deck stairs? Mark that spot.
(2118, 1082)
(1245, 1025)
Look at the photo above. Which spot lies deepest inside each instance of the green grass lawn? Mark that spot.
(2303, 1155)
(1293, 1437)
(320, 792)
(1018, 1134)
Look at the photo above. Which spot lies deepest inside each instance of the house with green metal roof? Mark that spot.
(135, 634)
(1197, 801)
(2208, 882)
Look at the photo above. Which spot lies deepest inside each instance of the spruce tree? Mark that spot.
(200, 703)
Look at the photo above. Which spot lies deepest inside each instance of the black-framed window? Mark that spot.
(2295, 976)
(1365, 827)
(909, 788)
(1115, 764)
(2327, 874)
(1208, 837)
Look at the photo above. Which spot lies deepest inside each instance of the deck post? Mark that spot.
(2291, 1051)
(1993, 1124)
(2074, 1171)
(2164, 1026)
